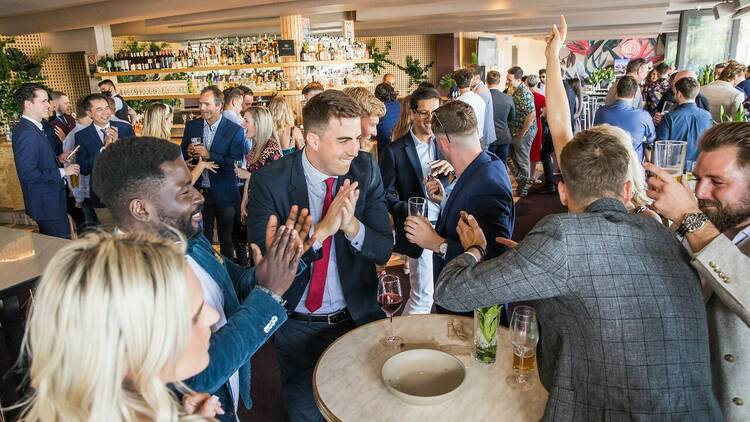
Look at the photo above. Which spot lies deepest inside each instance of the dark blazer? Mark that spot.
(54, 141)
(403, 179)
(228, 146)
(701, 101)
(484, 191)
(252, 318)
(504, 111)
(91, 146)
(39, 174)
(624, 332)
(281, 184)
(65, 122)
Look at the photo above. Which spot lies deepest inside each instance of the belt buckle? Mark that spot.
(329, 318)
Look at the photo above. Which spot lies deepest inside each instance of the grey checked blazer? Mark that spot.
(623, 326)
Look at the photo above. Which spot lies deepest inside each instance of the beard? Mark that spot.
(725, 218)
(183, 224)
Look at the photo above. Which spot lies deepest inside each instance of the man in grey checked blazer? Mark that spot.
(623, 327)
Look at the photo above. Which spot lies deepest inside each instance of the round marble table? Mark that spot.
(348, 386)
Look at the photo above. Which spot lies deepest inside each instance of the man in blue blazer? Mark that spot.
(405, 165)
(146, 185)
(42, 180)
(482, 189)
(215, 138)
(98, 136)
(337, 288)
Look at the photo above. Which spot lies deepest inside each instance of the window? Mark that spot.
(706, 39)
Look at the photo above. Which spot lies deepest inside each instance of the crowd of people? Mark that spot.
(639, 321)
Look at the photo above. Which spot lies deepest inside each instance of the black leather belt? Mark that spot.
(332, 318)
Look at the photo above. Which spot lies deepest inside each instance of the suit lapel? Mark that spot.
(411, 153)
(219, 135)
(299, 184)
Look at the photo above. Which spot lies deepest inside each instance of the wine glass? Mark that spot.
(390, 300)
(524, 335)
(195, 141)
(417, 207)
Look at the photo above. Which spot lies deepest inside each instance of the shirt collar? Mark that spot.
(313, 175)
(37, 124)
(623, 103)
(99, 128)
(416, 140)
(213, 126)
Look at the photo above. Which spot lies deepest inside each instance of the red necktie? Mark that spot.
(320, 267)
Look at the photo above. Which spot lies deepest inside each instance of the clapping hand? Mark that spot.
(278, 268)
(340, 213)
(300, 221)
(469, 232)
(110, 136)
(202, 404)
(59, 133)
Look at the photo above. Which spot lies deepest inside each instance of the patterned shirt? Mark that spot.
(271, 152)
(653, 92)
(524, 102)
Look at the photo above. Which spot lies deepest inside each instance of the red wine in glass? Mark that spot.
(390, 303)
(390, 299)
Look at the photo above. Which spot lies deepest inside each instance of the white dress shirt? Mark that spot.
(477, 103)
(333, 295)
(208, 139)
(213, 296)
(82, 191)
(427, 152)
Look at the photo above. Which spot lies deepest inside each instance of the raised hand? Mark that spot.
(278, 268)
(556, 38)
(59, 133)
(332, 222)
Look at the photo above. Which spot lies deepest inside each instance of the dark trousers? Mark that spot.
(548, 150)
(55, 228)
(79, 218)
(501, 151)
(239, 237)
(299, 344)
(224, 218)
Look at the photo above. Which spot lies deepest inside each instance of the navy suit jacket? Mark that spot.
(484, 191)
(281, 184)
(252, 318)
(227, 147)
(54, 141)
(39, 173)
(403, 179)
(90, 148)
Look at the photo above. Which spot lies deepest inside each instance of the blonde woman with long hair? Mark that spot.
(290, 137)
(157, 123)
(259, 126)
(116, 318)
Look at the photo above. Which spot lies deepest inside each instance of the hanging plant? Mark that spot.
(16, 69)
(416, 72)
(380, 58)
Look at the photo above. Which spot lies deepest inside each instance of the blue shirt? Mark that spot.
(744, 86)
(386, 124)
(208, 138)
(635, 121)
(685, 123)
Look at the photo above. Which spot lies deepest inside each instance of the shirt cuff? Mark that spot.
(62, 173)
(472, 256)
(359, 239)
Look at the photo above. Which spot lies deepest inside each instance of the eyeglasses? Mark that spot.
(425, 114)
(437, 120)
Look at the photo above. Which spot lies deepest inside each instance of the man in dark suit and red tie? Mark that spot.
(336, 286)
(42, 180)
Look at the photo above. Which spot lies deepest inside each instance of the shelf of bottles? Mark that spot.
(238, 54)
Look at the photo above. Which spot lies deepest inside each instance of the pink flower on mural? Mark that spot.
(635, 48)
(579, 47)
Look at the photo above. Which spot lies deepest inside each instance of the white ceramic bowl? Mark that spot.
(423, 377)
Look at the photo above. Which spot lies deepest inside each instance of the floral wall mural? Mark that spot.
(582, 57)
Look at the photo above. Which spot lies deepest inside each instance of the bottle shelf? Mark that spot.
(256, 93)
(232, 67)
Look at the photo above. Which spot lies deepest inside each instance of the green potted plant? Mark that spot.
(379, 57)
(485, 333)
(706, 75)
(739, 116)
(16, 68)
(414, 69)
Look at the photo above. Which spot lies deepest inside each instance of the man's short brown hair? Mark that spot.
(463, 77)
(635, 65)
(475, 69)
(727, 135)
(732, 70)
(627, 87)
(367, 102)
(688, 87)
(594, 165)
(328, 104)
(494, 77)
(313, 86)
(231, 93)
(218, 95)
(454, 118)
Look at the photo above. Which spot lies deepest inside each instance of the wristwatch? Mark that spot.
(442, 249)
(692, 222)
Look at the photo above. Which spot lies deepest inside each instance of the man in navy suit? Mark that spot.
(146, 185)
(215, 138)
(96, 138)
(42, 181)
(405, 165)
(482, 189)
(344, 192)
